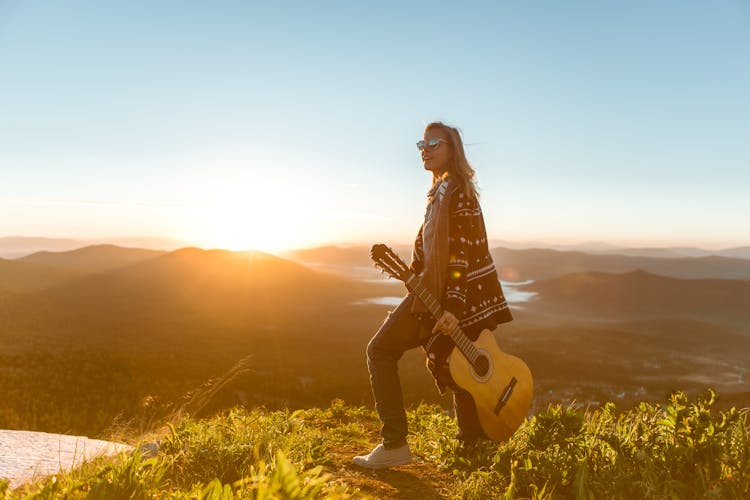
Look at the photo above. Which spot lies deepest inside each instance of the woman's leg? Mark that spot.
(398, 333)
(469, 428)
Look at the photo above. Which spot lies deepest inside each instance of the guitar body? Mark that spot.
(502, 394)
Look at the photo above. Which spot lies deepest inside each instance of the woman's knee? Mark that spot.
(373, 351)
(376, 350)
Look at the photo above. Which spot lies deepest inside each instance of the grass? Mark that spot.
(678, 449)
(681, 449)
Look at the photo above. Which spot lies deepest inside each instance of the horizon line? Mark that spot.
(493, 242)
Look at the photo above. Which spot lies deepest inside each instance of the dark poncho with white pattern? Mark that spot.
(472, 292)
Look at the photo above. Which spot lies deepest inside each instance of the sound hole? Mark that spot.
(482, 366)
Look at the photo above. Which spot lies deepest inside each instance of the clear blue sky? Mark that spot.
(247, 124)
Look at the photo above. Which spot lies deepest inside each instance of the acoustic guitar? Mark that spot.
(500, 384)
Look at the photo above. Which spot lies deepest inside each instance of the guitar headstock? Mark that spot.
(389, 262)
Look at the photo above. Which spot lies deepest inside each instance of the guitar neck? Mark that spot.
(465, 345)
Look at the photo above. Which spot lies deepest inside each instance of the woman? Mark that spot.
(452, 259)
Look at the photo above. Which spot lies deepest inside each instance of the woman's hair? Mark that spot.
(459, 168)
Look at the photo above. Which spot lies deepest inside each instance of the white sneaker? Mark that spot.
(380, 458)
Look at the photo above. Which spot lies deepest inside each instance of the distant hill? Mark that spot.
(641, 293)
(93, 258)
(521, 265)
(672, 252)
(738, 252)
(28, 276)
(187, 290)
(218, 284)
(538, 263)
(590, 246)
(194, 271)
(12, 247)
(151, 242)
(48, 269)
(597, 247)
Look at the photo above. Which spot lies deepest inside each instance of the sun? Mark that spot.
(244, 224)
(239, 216)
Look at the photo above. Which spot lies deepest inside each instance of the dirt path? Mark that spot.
(26, 455)
(420, 479)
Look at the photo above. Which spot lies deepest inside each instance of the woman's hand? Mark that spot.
(446, 323)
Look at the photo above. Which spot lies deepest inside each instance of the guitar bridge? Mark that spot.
(505, 396)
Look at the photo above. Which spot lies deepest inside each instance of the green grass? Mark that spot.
(679, 449)
(682, 449)
(241, 454)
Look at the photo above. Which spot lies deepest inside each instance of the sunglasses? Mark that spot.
(431, 144)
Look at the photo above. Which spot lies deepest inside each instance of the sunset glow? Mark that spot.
(281, 128)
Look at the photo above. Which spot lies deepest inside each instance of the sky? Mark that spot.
(274, 125)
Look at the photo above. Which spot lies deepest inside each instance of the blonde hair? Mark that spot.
(459, 168)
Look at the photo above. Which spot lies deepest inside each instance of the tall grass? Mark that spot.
(681, 449)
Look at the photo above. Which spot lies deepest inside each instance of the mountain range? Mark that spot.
(12, 247)
(76, 324)
(531, 264)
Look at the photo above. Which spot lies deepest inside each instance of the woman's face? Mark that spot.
(436, 159)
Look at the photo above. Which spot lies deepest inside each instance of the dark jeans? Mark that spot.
(399, 333)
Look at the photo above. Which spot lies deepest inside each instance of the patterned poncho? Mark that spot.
(472, 290)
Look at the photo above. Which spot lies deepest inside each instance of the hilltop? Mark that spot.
(681, 449)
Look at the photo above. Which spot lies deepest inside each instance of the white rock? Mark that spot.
(27, 455)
